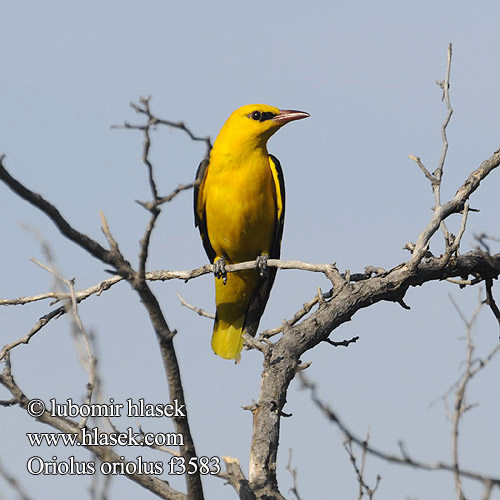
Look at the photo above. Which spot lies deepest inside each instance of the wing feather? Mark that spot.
(200, 219)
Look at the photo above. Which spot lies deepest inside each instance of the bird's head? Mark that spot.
(252, 125)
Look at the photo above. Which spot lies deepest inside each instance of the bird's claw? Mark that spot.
(220, 269)
(262, 265)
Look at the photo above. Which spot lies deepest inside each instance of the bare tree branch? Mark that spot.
(13, 483)
(237, 479)
(474, 263)
(344, 303)
(455, 205)
(87, 359)
(67, 426)
(51, 211)
(320, 297)
(293, 473)
(282, 362)
(460, 406)
(445, 85)
(138, 283)
(158, 121)
(307, 329)
(363, 487)
(197, 310)
(436, 177)
(186, 275)
(404, 458)
(38, 326)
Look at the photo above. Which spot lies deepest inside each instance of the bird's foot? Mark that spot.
(262, 265)
(220, 269)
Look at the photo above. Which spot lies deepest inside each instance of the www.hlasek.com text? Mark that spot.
(94, 437)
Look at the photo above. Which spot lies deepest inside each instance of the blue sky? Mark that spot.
(366, 73)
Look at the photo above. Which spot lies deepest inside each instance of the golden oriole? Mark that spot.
(239, 208)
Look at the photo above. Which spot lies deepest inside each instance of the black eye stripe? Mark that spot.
(267, 116)
(261, 117)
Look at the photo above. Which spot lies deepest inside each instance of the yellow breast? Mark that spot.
(241, 211)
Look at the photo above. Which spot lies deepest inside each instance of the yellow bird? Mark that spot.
(239, 208)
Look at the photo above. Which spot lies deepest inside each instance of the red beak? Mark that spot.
(288, 115)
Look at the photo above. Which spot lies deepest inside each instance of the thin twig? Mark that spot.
(363, 486)
(455, 205)
(460, 406)
(87, 359)
(445, 86)
(197, 310)
(418, 161)
(105, 453)
(438, 173)
(106, 231)
(153, 206)
(307, 306)
(13, 483)
(293, 473)
(404, 458)
(162, 331)
(438, 220)
(158, 121)
(342, 343)
(56, 313)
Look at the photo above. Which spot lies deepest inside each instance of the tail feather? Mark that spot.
(232, 301)
(227, 339)
(240, 304)
(258, 303)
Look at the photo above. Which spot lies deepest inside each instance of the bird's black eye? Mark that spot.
(256, 115)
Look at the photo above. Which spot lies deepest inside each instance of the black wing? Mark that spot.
(200, 220)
